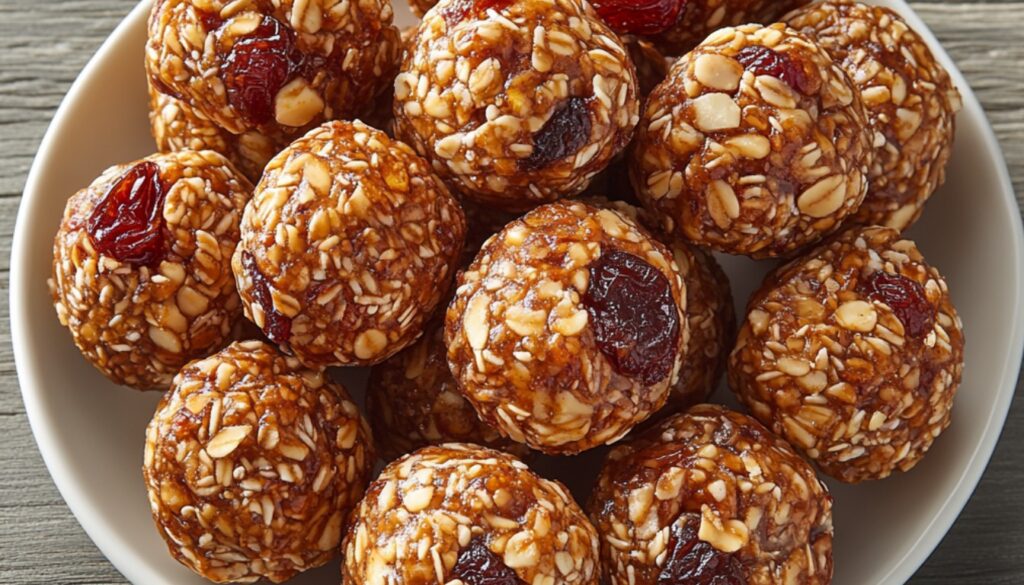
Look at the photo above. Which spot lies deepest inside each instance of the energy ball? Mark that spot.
(175, 126)
(141, 270)
(461, 513)
(911, 103)
(253, 464)
(756, 144)
(516, 103)
(711, 496)
(412, 401)
(568, 328)
(853, 353)
(347, 247)
(272, 66)
(676, 26)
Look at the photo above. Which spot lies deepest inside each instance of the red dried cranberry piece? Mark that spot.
(258, 66)
(128, 222)
(456, 12)
(761, 60)
(640, 17)
(275, 325)
(695, 562)
(635, 318)
(477, 565)
(906, 297)
(565, 133)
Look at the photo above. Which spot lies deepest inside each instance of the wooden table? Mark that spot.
(45, 43)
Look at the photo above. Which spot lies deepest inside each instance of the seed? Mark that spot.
(857, 316)
(296, 104)
(475, 321)
(570, 326)
(718, 72)
(793, 367)
(369, 343)
(418, 499)
(521, 551)
(723, 206)
(716, 111)
(331, 535)
(730, 538)
(824, 197)
(750, 145)
(227, 440)
(165, 339)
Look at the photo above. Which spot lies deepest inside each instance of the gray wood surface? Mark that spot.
(45, 43)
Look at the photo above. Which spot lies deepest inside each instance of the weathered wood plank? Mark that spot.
(45, 43)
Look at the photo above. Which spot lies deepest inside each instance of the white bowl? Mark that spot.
(90, 431)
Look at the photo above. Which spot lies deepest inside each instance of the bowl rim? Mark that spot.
(114, 545)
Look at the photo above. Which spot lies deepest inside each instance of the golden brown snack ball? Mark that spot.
(348, 245)
(756, 144)
(711, 496)
(568, 328)
(853, 353)
(460, 513)
(141, 275)
(252, 465)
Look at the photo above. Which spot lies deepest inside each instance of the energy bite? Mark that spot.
(175, 126)
(568, 328)
(516, 103)
(253, 464)
(141, 272)
(676, 26)
(461, 513)
(853, 353)
(347, 247)
(272, 66)
(756, 144)
(412, 401)
(910, 100)
(711, 496)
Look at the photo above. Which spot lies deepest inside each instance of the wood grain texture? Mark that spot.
(45, 43)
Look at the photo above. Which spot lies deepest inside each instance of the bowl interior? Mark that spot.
(91, 431)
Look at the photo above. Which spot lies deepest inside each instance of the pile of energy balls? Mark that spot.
(516, 237)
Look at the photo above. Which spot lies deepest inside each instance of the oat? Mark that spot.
(516, 132)
(356, 240)
(741, 161)
(724, 478)
(235, 504)
(516, 337)
(910, 100)
(139, 324)
(465, 496)
(839, 372)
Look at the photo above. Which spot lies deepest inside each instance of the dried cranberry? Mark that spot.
(128, 222)
(456, 12)
(258, 66)
(275, 325)
(477, 565)
(695, 562)
(906, 297)
(635, 318)
(565, 133)
(640, 17)
(211, 20)
(761, 60)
